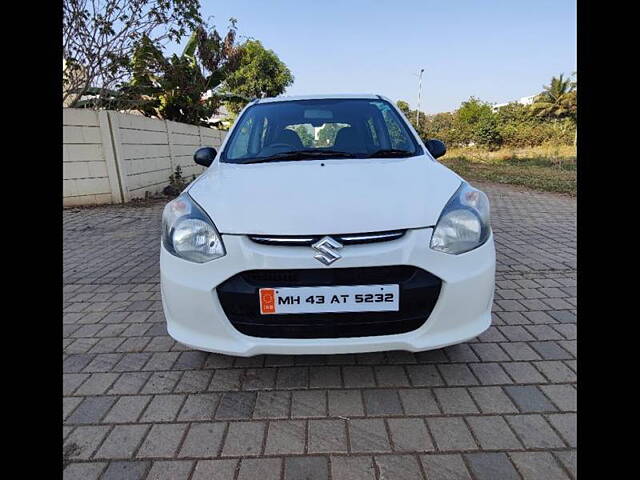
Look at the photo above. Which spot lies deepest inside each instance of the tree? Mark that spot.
(181, 88)
(476, 122)
(558, 100)
(99, 37)
(260, 74)
(440, 126)
(486, 133)
(404, 107)
(473, 110)
(515, 112)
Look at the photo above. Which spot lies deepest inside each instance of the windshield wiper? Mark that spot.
(391, 152)
(300, 155)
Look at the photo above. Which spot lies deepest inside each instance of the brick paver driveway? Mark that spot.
(139, 405)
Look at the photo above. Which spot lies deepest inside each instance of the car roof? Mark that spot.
(287, 98)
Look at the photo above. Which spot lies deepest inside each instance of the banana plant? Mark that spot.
(182, 88)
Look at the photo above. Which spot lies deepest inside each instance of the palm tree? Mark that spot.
(558, 99)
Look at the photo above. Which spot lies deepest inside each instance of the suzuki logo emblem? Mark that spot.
(327, 250)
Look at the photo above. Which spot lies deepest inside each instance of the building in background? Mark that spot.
(523, 101)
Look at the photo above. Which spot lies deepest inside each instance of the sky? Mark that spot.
(495, 50)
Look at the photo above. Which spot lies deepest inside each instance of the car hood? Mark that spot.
(324, 197)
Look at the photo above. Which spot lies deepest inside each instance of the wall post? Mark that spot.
(172, 155)
(109, 157)
(114, 129)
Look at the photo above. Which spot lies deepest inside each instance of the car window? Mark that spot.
(240, 147)
(397, 135)
(373, 133)
(321, 136)
(354, 127)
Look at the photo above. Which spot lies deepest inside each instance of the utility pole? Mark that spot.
(419, 95)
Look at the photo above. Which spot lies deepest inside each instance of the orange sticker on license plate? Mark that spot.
(267, 300)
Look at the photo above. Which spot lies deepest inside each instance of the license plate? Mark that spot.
(347, 298)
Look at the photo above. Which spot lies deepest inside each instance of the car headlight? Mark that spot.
(464, 222)
(189, 233)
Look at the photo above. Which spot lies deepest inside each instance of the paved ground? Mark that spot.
(139, 405)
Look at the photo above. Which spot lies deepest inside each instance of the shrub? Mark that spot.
(486, 133)
(535, 134)
(177, 183)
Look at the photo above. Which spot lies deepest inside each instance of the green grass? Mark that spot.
(545, 169)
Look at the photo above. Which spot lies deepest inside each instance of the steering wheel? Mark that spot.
(279, 145)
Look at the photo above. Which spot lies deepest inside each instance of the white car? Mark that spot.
(325, 225)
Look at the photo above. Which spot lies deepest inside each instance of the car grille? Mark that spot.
(345, 239)
(419, 291)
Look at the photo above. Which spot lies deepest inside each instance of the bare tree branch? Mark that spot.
(100, 35)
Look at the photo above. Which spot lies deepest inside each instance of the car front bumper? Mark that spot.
(196, 318)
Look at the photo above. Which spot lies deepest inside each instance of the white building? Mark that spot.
(522, 101)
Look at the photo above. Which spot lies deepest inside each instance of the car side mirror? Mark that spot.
(436, 148)
(204, 156)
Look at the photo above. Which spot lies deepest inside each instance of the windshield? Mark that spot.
(326, 128)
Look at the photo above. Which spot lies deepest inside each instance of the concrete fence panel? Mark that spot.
(144, 153)
(113, 157)
(84, 167)
(184, 140)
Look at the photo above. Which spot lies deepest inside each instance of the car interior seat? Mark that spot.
(348, 140)
(290, 138)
